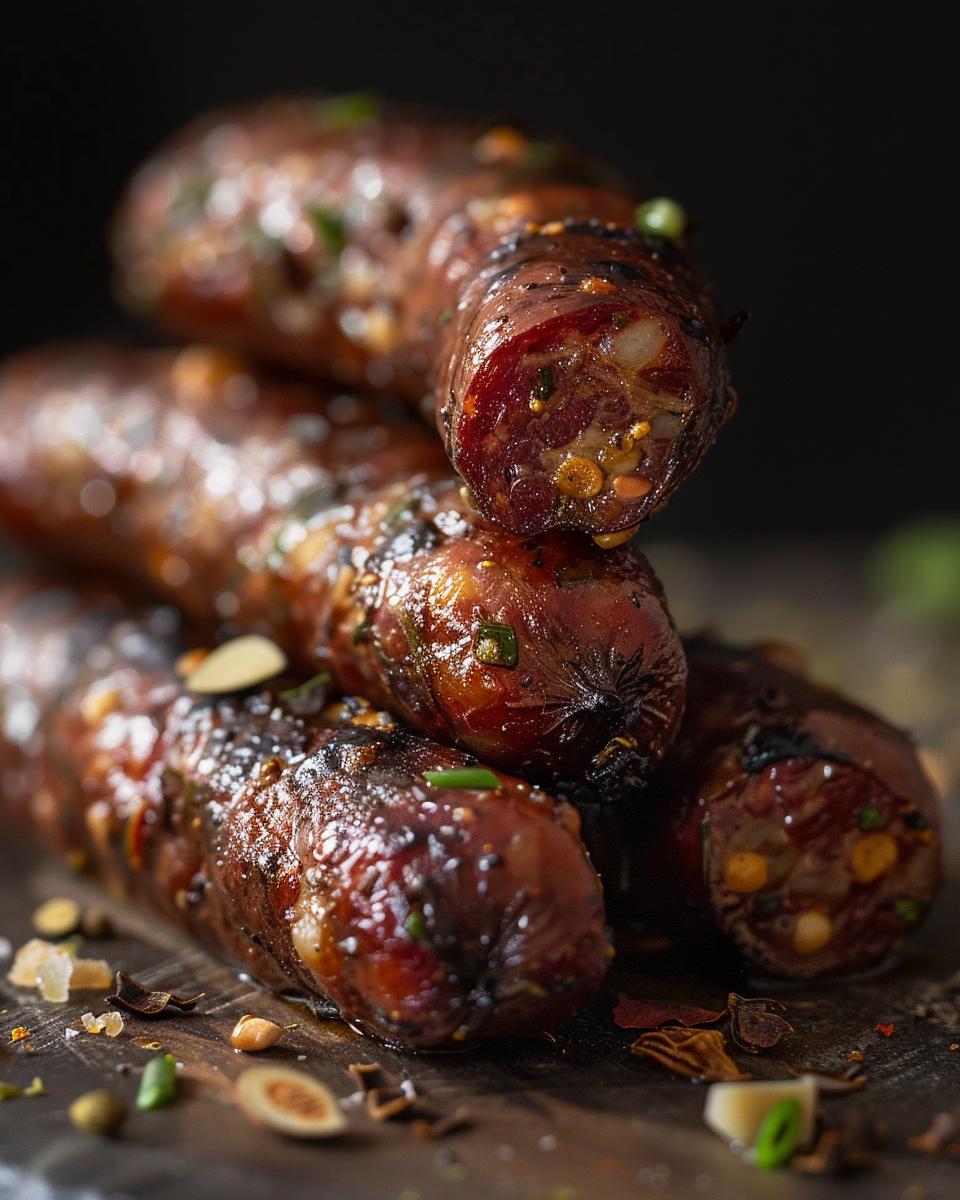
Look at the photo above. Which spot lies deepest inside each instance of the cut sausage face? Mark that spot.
(815, 867)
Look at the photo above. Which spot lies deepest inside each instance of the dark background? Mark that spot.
(809, 144)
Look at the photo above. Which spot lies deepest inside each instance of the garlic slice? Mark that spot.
(236, 665)
(736, 1110)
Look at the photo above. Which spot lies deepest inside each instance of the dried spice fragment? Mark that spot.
(943, 1136)
(847, 1143)
(757, 1023)
(885, 1030)
(383, 1103)
(829, 1083)
(443, 1126)
(693, 1053)
(647, 1014)
(137, 998)
(367, 1076)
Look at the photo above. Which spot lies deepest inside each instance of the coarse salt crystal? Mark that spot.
(53, 977)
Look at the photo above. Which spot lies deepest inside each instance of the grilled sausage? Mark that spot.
(574, 364)
(299, 839)
(802, 826)
(342, 535)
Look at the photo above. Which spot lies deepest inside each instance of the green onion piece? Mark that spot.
(415, 926)
(907, 910)
(663, 217)
(496, 645)
(330, 227)
(870, 817)
(777, 1139)
(159, 1083)
(342, 112)
(463, 777)
(545, 384)
(318, 680)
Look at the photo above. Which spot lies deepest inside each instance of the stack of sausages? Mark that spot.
(484, 692)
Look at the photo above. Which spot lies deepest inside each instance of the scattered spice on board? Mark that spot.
(646, 1014)
(384, 1103)
(855, 1056)
(137, 998)
(367, 1076)
(20, 1033)
(693, 1053)
(943, 1136)
(846, 1143)
(443, 1126)
(885, 1030)
(830, 1083)
(757, 1023)
(940, 1002)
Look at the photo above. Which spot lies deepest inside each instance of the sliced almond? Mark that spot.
(736, 1110)
(237, 664)
(57, 917)
(290, 1102)
(255, 1033)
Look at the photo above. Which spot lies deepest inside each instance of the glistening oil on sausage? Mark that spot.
(302, 840)
(336, 529)
(462, 267)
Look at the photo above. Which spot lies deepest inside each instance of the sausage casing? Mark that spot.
(575, 366)
(341, 534)
(303, 842)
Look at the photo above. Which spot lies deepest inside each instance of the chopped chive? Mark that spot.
(463, 777)
(330, 227)
(907, 910)
(496, 645)
(159, 1083)
(318, 680)
(545, 383)
(870, 817)
(343, 112)
(416, 926)
(777, 1139)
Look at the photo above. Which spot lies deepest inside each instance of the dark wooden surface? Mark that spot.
(575, 1119)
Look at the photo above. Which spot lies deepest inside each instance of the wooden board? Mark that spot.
(578, 1118)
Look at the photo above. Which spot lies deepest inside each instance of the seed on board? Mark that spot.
(57, 917)
(290, 1102)
(579, 477)
(255, 1033)
(240, 663)
(99, 1112)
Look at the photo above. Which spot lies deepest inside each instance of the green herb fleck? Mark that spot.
(777, 1139)
(159, 1083)
(917, 568)
(319, 680)
(343, 112)
(361, 631)
(463, 777)
(330, 227)
(662, 217)
(496, 645)
(545, 384)
(907, 910)
(415, 926)
(870, 817)
(619, 319)
(445, 316)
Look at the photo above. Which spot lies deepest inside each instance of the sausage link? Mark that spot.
(574, 365)
(800, 825)
(299, 839)
(341, 534)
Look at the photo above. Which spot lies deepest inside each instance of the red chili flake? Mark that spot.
(646, 1014)
(886, 1030)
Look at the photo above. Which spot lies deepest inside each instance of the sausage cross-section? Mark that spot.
(340, 533)
(800, 825)
(322, 847)
(574, 362)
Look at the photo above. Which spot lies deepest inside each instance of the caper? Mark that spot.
(99, 1112)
